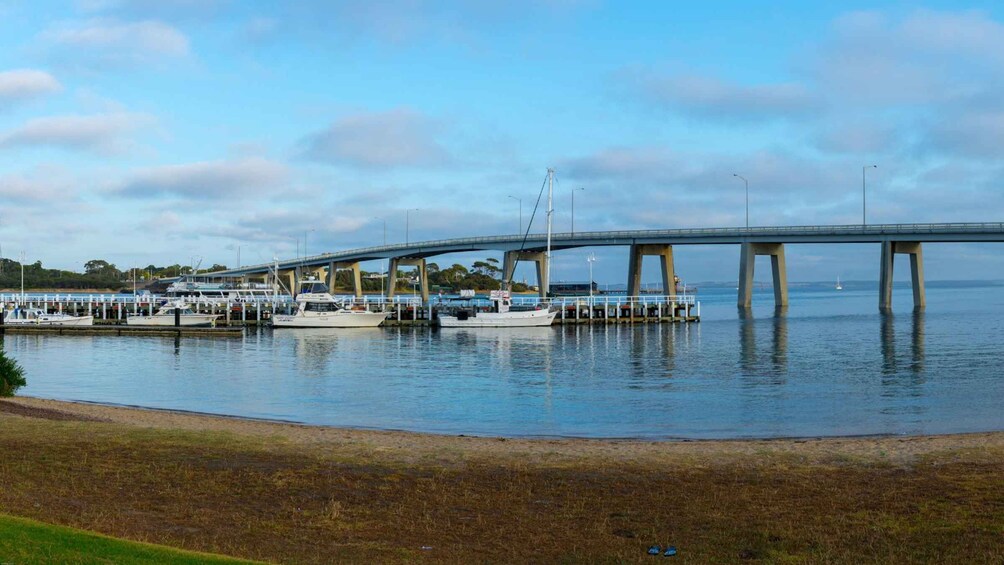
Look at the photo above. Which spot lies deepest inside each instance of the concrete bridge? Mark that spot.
(770, 241)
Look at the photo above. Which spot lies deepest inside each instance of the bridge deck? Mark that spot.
(940, 233)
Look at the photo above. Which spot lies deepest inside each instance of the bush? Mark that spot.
(11, 376)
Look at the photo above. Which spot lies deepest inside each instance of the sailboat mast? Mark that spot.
(550, 212)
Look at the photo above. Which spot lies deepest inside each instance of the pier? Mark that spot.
(112, 310)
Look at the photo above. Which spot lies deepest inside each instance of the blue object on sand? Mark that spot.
(654, 550)
(670, 551)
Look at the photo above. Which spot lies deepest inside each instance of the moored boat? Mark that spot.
(39, 317)
(502, 315)
(165, 316)
(316, 308)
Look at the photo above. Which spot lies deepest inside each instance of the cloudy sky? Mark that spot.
(155, 131)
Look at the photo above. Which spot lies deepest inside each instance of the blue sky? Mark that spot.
(145, 131)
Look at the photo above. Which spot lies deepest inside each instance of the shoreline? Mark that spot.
(880, 448)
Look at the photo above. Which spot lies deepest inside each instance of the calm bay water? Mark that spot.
(830, 365)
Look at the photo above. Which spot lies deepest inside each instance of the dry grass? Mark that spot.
(286, 502)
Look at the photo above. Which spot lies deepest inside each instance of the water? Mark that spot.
(830, 365)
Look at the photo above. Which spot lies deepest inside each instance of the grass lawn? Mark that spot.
(28, 541)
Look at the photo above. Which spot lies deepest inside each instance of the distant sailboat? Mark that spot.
(839, 286)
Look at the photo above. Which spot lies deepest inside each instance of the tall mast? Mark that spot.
(550, 212)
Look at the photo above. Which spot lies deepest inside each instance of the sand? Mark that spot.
(409, 446)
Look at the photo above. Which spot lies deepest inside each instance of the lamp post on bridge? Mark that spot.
(520, 200)
(385, 244)
(747, 183)
(407, 223)
(573, 208)
(863, 200)
(305, 242)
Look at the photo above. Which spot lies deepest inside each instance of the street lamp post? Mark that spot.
(863, 196)
(591, 259)
(520, 200)
(407, 223)
(573, 208)
(747, 183)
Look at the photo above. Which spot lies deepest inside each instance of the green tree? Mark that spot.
(11, 376)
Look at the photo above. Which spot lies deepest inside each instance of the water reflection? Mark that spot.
(892, 364)
(749, 357)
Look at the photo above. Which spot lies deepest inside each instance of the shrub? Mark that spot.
(11, 376)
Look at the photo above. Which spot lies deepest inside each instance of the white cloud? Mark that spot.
(395, 138)
(112, 43)
(101, 132)
(24, 84)
(714, 98)
(207, 180)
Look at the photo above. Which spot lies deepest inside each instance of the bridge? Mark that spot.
(770, 241)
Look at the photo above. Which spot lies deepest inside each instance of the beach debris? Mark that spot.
(426, 547)
(670, 551)
(655, 550)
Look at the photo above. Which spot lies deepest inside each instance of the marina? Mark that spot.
(401, 310)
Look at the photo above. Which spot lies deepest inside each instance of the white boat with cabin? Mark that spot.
(316, 308)
(502, 315)
(39, 317)
(164, 316)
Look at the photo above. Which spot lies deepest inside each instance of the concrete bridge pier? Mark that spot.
(292, 279)
(665, 254)
(357, 277)
(423, 276)
(747, 259)
(538, 258)
(889, 251)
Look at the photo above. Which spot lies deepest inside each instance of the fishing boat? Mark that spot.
(317, 308)
(165, 316)
(501, 315)
(39, 317)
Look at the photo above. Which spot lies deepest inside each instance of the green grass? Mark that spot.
(28, 541)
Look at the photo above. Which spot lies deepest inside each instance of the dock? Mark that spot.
(125, 330)
(111, 311)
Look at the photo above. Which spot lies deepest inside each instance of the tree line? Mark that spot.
(101, 275)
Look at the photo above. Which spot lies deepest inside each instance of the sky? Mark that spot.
(180, 131)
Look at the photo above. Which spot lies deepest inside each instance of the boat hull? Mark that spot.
(527, 319)
(59, 321)
(187, 320)
(339, 319)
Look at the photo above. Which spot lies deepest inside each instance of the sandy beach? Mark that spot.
(407, 446)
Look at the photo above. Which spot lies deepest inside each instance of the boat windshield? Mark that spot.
(313, 287)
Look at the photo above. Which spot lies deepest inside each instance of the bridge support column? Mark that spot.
(665, 254)
(889, 251)
(538, 258)
(291, 278)
(357, 279)
(747, 260)
(423, 276)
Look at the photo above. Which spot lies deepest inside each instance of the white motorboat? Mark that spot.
(502, 315)
(316, 308)
(39, 317)
(164, 316)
